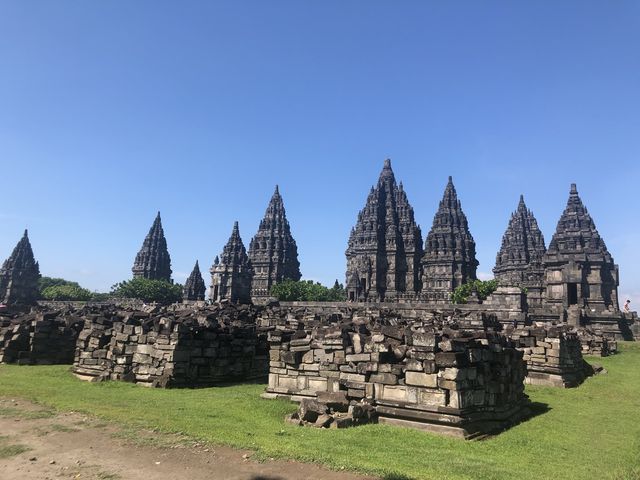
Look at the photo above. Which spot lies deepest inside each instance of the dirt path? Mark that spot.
(38, 444)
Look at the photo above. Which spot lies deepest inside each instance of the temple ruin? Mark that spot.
(397, 351)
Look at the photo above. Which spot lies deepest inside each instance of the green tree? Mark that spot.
(66, 292)
(307, 291)
(46, 282)
(483, 287)
(159, 291)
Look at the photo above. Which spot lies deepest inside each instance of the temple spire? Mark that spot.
(19, 275)
(519, 261)
(450, 251)
(194, 287)
(578, 252)
(231, 273)
(153, 260)
(385, 246)
(273, 251)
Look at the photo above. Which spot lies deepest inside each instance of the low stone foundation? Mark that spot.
(552, 353)
(423, 375)
(38, 337)
(197, 347)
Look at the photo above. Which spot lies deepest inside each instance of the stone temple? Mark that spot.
(194, 287)
(385, 246)
(579, 270)
(519, 263)
(231, 272)
(153, 260)
(273, 251)
(450, 251)
(19, 275)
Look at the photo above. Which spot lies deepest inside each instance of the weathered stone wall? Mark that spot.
(595, 343)
(174, 348)
(553, 355)
(427, 375)
(38, 337)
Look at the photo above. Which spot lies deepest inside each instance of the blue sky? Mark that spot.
(110, 111)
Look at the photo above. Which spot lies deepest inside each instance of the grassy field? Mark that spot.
(589, 432)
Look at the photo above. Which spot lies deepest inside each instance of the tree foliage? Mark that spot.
(158, 291)
(66, 293)
(59, 289)
(308, 291)
(483, 287)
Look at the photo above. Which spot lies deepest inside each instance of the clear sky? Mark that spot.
(110, 111)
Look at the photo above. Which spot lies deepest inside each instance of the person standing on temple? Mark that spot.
(627, 309)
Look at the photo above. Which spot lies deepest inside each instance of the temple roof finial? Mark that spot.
(387, 163)
(574, 188)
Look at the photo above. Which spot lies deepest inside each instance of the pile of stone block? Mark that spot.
(595, 343)
(38, 337)
(427, 375)
(173, 348)
(333, 410)
(553, 354)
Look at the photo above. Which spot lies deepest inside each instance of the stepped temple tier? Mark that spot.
(449, 252)
(519, 262)
(385, 245)
(153, 260)
(194, 287)
(231, 272)
(273, 251)
(19, 275)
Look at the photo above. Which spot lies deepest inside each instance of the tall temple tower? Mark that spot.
(385, 246)
(194, 287)
(273, 251)
(450, 251)
(579, 270)
(231, 273)
(19, 275)
(153, 260)
(519, 261)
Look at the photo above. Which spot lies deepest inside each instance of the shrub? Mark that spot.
(159, 291)
(307, 291)
(66, 292)
(483, 287)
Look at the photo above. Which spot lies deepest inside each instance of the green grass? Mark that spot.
(10, 450)
(589, 432)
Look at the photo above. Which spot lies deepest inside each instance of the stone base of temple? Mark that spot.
(454, 424)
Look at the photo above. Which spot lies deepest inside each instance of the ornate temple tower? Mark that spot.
(450, 252)
(19, 275)
(579, 270)
(194, 287)
(153, 260)
(273, 251)
(231, 273)
(385, 246)
(519, 261)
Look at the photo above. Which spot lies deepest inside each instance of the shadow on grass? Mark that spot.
(391, 476)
